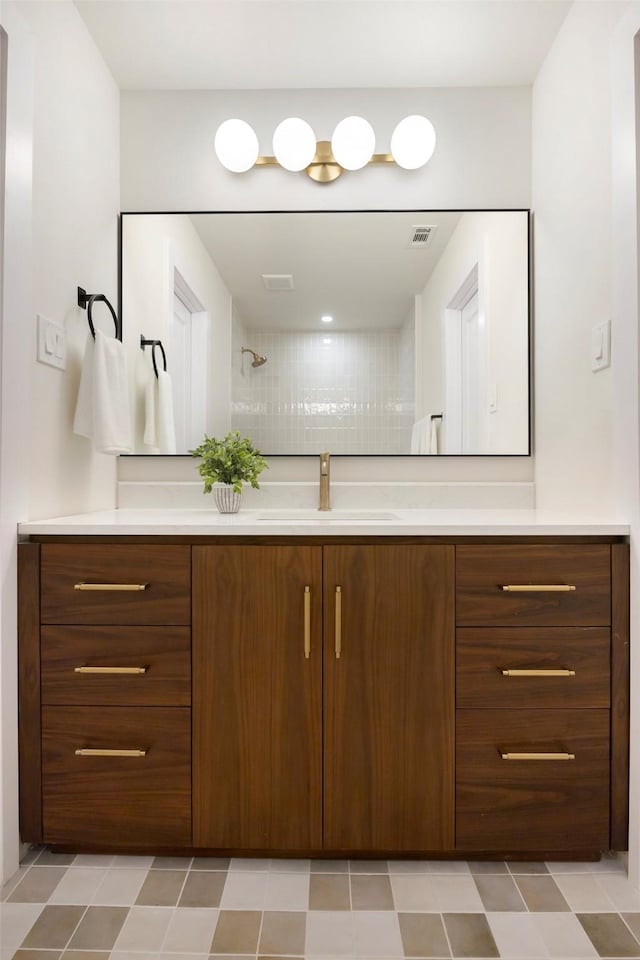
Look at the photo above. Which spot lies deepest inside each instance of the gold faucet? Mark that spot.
(325, 503)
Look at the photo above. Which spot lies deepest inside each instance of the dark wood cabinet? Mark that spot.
(534, 656)
(104, 666)
(532, 780)
(388, 695)
(533, 667)
(257, 697)
(116, 775)
(113, 583)
(504, 585)
(112, 666)
(325, 695)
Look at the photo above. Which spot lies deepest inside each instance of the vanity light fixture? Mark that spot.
(351, 147)
(327, 319)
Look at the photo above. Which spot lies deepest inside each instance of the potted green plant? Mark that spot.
(226, 465)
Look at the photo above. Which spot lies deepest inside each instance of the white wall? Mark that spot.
(76, 200)
(571, 123)
(497, 246)
(482, 159)
(154, 247)
(61, 96)
(17, 345)
(585, 197)
(625, 126)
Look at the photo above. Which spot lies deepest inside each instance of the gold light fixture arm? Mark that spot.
(324, 167)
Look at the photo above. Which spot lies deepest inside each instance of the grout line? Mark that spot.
(66, 946)
(635, 936)
(446, 934)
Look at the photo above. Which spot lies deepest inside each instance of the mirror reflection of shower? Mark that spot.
(258, 360)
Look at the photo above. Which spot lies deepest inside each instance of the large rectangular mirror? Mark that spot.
(370, 332)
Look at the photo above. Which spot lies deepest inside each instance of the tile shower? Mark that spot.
(362, 379)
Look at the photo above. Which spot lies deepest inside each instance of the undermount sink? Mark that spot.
(324, 516)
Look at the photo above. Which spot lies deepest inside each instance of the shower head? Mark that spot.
(258, 360)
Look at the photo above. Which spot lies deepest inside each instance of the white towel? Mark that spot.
(433, 436)
(420, 436)
(166, 431)
(150, 407)
(83, 419)
(103, 411)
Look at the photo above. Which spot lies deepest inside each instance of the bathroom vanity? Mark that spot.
(424, 686)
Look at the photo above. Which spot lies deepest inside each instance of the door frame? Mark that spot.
(473, 282)
(177, 283)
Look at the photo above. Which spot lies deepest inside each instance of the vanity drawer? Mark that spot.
(141, 666)
(549, 585)
(117, 800)
(532, 667)
(532, 804)
(112, 583)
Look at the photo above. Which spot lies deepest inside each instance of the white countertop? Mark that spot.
(208, 522)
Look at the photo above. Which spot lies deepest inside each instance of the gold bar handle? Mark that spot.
(103, 670)
(538, 587)
(129, 587)
(307, 622)
(538, 673)
(338, 622)
(86, 752)
(538, 756)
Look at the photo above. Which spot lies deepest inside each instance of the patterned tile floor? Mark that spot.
(138, 908)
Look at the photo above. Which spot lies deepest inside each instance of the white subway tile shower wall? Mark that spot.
(290, 404)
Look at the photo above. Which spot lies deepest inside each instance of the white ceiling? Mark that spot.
(356, 267)
(297, 44)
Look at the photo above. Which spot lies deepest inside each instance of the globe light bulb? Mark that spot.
(236, 146)
(353, 143)
(294, 144)
(412, 142)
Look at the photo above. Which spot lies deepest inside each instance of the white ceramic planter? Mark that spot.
(226, 499)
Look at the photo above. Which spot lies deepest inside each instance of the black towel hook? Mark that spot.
(87, 300)
(153, 344)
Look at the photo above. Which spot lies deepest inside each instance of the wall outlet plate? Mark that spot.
(52, 343)
(601, 345)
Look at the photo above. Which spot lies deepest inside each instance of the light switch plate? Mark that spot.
(601, 345)
(52, 343)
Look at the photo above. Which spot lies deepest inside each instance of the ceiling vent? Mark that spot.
(277, 281)
(421, 236)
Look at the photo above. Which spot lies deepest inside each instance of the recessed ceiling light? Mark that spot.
(327, 318)
(327, 340)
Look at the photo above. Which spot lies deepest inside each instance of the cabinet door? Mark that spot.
(257, 737)
(389, 697)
